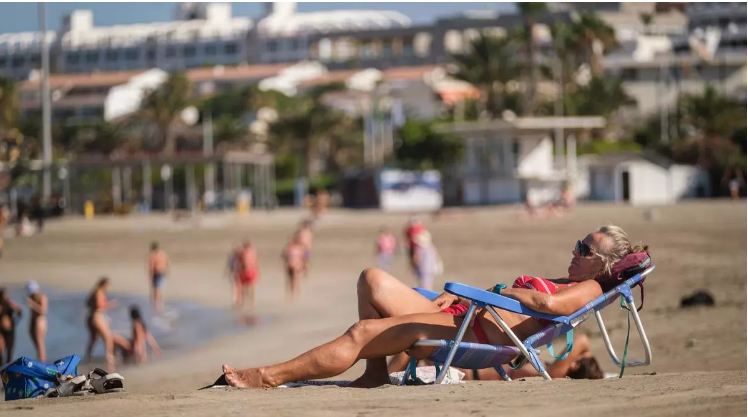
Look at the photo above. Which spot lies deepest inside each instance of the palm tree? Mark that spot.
(162, 106)
(9, 133)
(592, 37)
(310, 129)
(529, 13)
(489, 64)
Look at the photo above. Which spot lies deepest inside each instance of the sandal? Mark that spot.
(103, 382)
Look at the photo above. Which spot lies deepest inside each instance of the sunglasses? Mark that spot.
(582, 248)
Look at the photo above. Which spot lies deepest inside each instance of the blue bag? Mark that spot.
(29, 378)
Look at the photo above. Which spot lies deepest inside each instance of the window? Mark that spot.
(92, 56)
(230, 48)
(211, 49)
(73, 58)
(131, 54)
(189, 51)
(150, 54)
(35, 59)
(272, 45)
(17, 61)
(112, 55)
(629, 74)
(3, 60)
(171, 52)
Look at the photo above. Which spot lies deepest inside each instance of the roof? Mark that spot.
(613, 159)
(410, 73)
(281, 24)
(526, 124)
(94, 79)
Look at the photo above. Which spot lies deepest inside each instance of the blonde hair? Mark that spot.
(621, 246)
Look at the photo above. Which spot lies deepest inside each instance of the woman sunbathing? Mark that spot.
(393, 317)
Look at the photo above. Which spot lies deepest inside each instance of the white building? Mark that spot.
(203, 34)
(505, 161)
(641, 179)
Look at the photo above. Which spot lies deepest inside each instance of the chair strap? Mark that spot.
(567, 350)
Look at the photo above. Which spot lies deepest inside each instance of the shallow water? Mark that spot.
(181, 326)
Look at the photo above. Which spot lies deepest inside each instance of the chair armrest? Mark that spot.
(483, 298)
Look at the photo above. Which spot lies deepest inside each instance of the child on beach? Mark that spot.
(386, 247)
(140, 337)
(247, 273)
(294, 256)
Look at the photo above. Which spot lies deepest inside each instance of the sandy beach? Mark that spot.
(699, 354)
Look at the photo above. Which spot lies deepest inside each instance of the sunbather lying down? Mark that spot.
(392, 317)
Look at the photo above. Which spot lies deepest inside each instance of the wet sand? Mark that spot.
(699, 354)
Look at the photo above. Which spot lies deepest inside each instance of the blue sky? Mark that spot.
(21, 17)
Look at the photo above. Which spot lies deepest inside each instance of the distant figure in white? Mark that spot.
(427, 260)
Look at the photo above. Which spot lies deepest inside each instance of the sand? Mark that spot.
(699, 354)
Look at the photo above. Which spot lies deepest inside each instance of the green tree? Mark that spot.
(601, 96)
(591, 37)
(421, 146)
(11, 139)
(162, 106)
(490, 63)
(312, 130)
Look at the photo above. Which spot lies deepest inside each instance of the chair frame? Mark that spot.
(480, 298)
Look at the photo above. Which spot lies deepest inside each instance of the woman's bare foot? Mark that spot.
(244, 378)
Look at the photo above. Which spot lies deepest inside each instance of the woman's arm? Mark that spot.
(564, 302)
(38, 308)
(153, 344)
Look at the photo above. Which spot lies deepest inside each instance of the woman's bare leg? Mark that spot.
(38, 333)
(381, 295)
(101, 327)
(367, 339)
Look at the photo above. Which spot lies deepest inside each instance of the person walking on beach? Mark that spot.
(412, 229)
(9, 312)
(141, 337)
(386, 247)
(295, 263)
(247, 274)
(158, 266)
(306, 239)
(37, 302)
(98, 322)
(427, 260)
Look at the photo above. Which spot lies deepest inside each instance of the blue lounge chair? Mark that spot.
(478, 356)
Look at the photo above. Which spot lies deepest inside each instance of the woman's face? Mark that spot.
(585, 264)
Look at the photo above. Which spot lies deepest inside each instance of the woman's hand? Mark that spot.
(445, 300)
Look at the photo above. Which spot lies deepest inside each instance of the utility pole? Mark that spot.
(46, 110)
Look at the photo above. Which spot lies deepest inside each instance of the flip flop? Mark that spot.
(103, 382)
(220, 383)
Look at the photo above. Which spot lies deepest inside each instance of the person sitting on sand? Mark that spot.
(392, 317)
(37, 302)
(140, 337)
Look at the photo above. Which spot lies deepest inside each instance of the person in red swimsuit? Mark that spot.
(247, 274)
(392, 317)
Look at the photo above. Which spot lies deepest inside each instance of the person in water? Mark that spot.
(98, 323)
(392, 317)
(37, 302)
(9, 312)
(141, 337)
(158, 267)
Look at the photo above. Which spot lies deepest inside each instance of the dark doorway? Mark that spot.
(625, 185)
